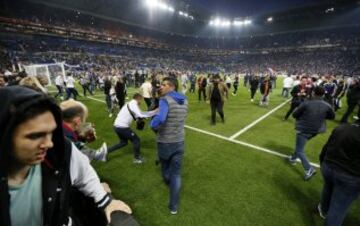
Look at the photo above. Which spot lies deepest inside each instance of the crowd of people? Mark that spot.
(319, 70)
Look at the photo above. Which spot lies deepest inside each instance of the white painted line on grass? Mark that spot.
(91, 98)
(258, 120)
(244, 144)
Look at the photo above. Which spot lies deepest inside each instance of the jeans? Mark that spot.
(202, 91)
(292, 108)
(301, 139)
(124, 135)
(339, 191)
(216, 106)
(170, 156)
(70, 91)
(108, 102)
(285, 92)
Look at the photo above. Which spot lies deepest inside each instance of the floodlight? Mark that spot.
(152, 3)
(225, 23)
(238, 23)
(246, 22)
(270, 19)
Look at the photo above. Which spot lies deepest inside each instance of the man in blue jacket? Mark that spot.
(310, 120)
(169, 125)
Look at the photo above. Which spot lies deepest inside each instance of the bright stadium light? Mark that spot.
(270, 19)
(171, 9)
(247, 22)
(152, 3)
(238, 23)
(225, 23)
(217, 22)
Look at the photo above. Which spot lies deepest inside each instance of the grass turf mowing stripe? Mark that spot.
(236, 141)
(244, 144)
(258, 120)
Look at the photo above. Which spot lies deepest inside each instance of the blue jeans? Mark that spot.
(124, 135)
(108, 102)
(301, 140)
(339, 191)
(170, 156)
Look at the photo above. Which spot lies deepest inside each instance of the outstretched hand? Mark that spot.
(116, 205)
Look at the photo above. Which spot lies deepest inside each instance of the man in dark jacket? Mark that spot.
(340, 166)
(38, 167)
(353, 99)
(217, 94)
(299, 93)
(310, 120)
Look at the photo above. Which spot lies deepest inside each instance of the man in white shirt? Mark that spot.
(122, 126)
(59, 83)
(146, 91)
(70, 87)
(287, 85)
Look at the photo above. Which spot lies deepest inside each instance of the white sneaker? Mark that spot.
(309, 173)
(138, 161)
(101, 154)
(252, 100)
(322, 215)
(110, 115)
(173, 212)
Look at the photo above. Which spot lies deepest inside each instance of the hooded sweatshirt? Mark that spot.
(63, 167)
(170, 120)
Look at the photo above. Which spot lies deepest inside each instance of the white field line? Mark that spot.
(244, 144)
(258, 120)
(231, 140)
(91, 98)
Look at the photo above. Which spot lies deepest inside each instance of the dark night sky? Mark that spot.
(249, 7)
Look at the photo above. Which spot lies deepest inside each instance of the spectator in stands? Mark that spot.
(310, 120)
(287, 85)
(217, 93)
(340, 167)
(36, 162)
(169, 124)
(78, 131)
(130, 112)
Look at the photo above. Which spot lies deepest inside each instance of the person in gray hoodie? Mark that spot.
(310, 118)
(169, 126)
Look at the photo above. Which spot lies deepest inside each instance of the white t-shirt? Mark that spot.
(146, 89)
(70, 82)
(124, 118)
(59, 80)
(288, 82)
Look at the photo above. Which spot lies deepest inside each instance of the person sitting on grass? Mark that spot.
(78, 131)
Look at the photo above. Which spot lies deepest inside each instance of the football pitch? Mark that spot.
(233, 173)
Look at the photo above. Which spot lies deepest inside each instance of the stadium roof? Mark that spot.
(243, 8)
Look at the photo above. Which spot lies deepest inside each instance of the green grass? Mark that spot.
(223, 183)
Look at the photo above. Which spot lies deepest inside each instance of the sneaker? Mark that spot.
(309, 173)
(101, 154)
(321, 213)
(110, 115)
(173, 212)
(291, 160)
(252, 100)
(138, 161)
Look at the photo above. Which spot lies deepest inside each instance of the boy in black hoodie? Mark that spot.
(39, 169)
